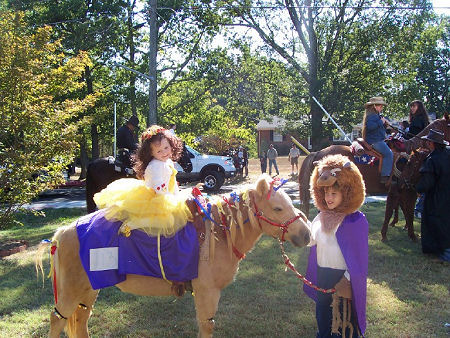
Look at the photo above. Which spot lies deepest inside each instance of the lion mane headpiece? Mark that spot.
(338, 169)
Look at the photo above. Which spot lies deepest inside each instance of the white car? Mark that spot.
(211, 170)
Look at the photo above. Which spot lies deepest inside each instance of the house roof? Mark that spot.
(275, 123)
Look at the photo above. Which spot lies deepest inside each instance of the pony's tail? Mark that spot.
(304, 176)
(38, 260)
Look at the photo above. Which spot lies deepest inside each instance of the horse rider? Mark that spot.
(374, 133)
(126, 140)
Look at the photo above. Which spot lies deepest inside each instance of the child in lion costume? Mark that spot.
(339, 249)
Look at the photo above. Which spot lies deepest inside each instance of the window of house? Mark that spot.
(277, 137)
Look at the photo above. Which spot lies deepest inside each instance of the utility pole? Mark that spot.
(153, 46)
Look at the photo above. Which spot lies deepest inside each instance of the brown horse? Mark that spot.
(371, 175)
(369, 172)
(404, 194)
(442, 125)
(268, 211)
(371, 178)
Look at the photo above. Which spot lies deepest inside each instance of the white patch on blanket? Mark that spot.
(104, 259)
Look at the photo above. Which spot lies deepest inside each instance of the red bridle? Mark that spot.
(283, 226)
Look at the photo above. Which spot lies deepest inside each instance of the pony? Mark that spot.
(404, 194)
(100, 173)
(267, 209)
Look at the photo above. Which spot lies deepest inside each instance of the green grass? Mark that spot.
(408, 292)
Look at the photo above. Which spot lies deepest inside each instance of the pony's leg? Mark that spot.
(79, 320)
(391, 201)
(206, 304)
(395, 220)
(56, 325)
(408, 202)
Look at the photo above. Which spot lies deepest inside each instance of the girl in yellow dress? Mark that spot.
(153, 202)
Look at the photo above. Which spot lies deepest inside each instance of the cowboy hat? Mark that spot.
(435, 136)
(375, 100)
(133, 120)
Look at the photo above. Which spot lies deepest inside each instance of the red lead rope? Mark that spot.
(291, 266)
(55, 289)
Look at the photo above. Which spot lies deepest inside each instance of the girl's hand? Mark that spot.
(344, 288)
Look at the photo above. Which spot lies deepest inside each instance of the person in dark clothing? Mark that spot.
(126, 141)
(263, 161)
(435, 183)
(125, 136)
(418, 118)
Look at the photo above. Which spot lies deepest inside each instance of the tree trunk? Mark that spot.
(84, 160)
(153, 45)
(94, 132)
(313, 82)
(132, 47)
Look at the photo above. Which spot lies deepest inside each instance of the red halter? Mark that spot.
(283, 226)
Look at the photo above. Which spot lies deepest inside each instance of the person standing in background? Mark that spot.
(294, 154)
(263, 162)
(272, 155)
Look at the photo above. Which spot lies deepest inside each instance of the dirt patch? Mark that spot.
(284, 166)
(12, 247)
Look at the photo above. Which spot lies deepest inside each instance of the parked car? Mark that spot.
(211, 170)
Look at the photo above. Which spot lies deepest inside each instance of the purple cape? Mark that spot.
(352, 236)
(107, 256)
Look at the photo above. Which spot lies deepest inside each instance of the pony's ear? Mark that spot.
(262, 186)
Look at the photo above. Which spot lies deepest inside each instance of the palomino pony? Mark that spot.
(268, 210)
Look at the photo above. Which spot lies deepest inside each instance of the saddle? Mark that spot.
(360, 146)
(122, 162)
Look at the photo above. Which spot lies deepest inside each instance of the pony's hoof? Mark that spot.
(383, 238)
(414, 239)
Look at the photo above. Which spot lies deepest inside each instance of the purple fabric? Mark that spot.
(352, 236)
(137, 254)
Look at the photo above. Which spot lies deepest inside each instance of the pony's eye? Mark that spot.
(277, 209)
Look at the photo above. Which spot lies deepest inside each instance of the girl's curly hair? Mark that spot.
(143, 155)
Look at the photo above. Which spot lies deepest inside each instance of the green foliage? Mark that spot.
(37, 139)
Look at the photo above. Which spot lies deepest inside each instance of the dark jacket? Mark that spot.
(375, 131)
(435, 183)
(418, 123)
(126, 139)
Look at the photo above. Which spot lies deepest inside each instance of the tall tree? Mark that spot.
(37, 104)
(313, 38)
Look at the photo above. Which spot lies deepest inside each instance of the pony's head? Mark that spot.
(276, 213)
(410, 174)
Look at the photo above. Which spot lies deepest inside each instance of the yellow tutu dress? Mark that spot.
(153, 206)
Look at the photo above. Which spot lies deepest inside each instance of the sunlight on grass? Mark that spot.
(408, 292)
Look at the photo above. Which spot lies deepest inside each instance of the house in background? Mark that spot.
(271, 132)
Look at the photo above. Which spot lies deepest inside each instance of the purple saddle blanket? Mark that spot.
(107, 256)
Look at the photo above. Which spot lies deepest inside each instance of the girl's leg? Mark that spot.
(388, 157)
(326, 278)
